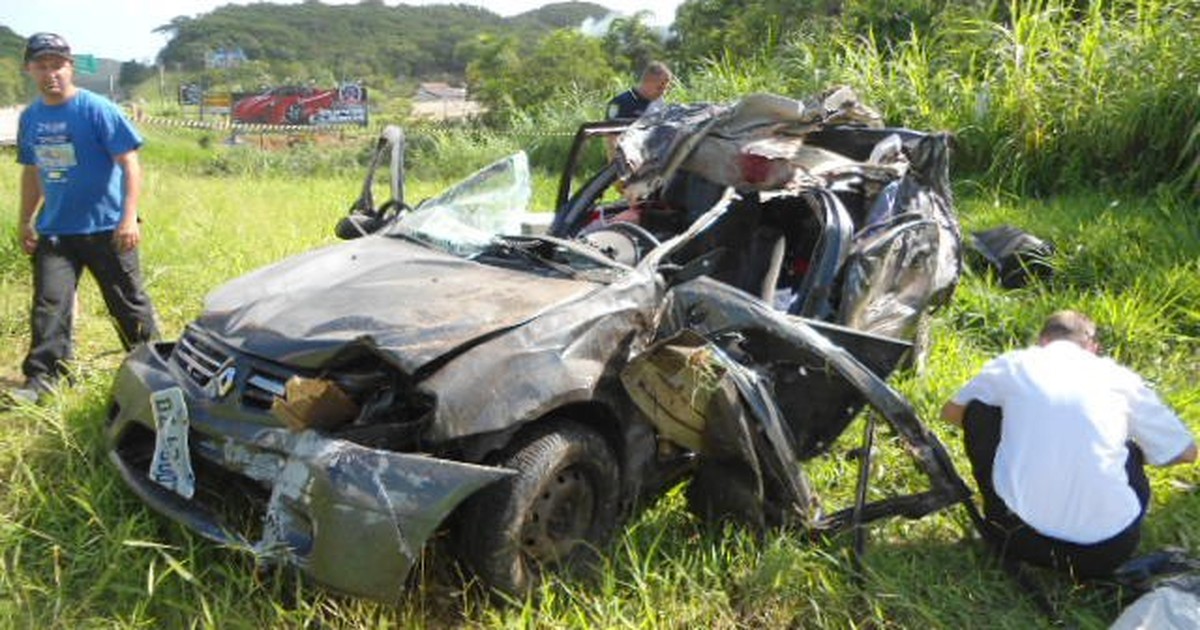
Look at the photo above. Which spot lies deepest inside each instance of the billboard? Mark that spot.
(190, 94)
(210, 103)
(217, 104)
(302, 105)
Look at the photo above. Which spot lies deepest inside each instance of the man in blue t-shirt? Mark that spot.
(645, 97)
(80, 185)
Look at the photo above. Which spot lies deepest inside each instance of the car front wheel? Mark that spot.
(555, 512)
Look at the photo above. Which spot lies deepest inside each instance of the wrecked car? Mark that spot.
(717, 302)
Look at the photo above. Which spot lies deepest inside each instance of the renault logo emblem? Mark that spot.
(223, 382)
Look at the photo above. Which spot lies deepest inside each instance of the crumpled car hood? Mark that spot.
(413, 303)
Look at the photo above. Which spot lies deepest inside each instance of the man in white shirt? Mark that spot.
(1057, 437)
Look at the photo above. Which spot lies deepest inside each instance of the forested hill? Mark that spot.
(11, 44)
(313, 41)
(364, 39)
(12, 80)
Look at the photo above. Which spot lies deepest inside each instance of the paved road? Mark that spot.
(8, 125)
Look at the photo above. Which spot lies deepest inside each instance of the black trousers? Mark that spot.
(58, 263)
(1015, 540)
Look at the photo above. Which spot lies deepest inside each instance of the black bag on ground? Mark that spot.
(1014, 255)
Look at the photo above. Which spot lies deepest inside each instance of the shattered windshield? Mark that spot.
(466, 219)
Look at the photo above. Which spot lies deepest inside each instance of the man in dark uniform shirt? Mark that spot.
(646, 96)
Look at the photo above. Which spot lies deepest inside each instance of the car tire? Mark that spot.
(555, 513)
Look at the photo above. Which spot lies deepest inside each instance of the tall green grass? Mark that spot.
(1097, 107)
(78, 550)
(1047, 98)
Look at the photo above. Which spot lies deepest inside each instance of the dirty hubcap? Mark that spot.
(560, 516)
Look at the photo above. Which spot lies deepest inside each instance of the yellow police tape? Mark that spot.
(224, 124)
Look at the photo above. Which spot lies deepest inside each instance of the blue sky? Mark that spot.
(122, 29)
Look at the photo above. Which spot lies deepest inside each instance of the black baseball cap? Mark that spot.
(42, 44)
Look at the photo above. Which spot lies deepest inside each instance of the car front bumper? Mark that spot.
(352, 517)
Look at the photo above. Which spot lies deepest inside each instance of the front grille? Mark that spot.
(204, 360)
(263, 387)
(198, 358)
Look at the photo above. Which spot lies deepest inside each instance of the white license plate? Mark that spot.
(171, 466)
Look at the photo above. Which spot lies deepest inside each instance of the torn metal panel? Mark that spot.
(567, 355)
(355, 518)
(892, 278)
(678, 384)
(649, 150)
(781, 457)
(756, 144)
(699, 398)
(715, 310)
(392, 502)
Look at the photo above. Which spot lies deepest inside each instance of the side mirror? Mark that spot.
(358, 224)
(363, 222)
(364, 218)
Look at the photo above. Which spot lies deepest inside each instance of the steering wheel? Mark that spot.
(622, 241)
(637, 232)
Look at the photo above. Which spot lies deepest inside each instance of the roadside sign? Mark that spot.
(86, 64)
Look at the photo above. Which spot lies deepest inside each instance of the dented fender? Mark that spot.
(353, 518)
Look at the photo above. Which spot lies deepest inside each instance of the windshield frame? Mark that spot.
(472, 215)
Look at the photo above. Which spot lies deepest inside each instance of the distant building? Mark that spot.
(222, 58)
(441, 101)
(439, 92)
(8, 124)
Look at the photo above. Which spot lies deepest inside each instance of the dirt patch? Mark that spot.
(446, 109)
(8, 124)
(281, 141)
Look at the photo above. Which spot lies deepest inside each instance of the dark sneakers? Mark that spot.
(35, 390)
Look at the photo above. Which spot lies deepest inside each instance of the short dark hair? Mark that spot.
(656, 69)
(42, 44)
(1069, 325)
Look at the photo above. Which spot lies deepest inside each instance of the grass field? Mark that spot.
(78, 550)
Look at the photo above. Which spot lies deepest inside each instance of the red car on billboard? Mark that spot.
(284, 105)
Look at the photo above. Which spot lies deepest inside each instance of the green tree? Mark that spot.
(506, 78)
(631, 43)
(492, 71)
(565, 60)
(132, 74)
(12, 82)
(713, 29)
(890, 22)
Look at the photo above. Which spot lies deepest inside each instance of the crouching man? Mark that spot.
(1057, 437)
